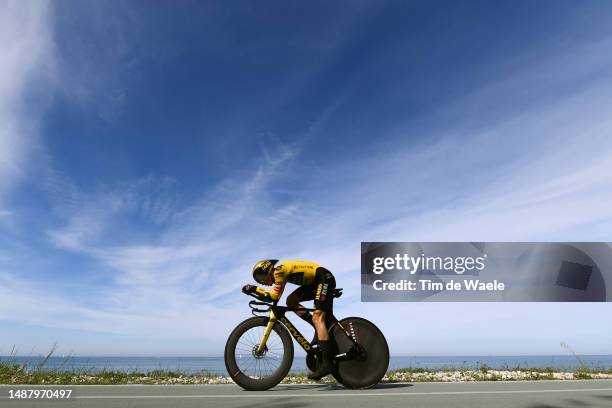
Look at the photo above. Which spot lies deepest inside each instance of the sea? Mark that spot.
(216, 365)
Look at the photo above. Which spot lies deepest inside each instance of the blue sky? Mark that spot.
(152, 152)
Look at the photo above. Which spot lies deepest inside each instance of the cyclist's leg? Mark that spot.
(323, 301)
(302, 294)
(323, 304)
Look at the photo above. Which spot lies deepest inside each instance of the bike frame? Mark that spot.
(277, 314)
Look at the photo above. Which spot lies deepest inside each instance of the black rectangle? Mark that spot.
(574, 275)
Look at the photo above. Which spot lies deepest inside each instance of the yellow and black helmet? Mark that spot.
(262, 271)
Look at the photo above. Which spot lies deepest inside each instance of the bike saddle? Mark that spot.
(337, 293)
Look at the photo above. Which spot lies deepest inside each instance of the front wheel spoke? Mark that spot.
(246, 368)
(261, 368)
(252, 367)
(274, 362)
(275, 347)
(255, 336)
(252, 337)
(270, 367)
(249, 346)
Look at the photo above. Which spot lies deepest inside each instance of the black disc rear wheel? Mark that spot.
(371, 361)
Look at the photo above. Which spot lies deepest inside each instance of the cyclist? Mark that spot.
(316, 283)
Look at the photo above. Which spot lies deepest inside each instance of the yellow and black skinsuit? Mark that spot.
(316, 283)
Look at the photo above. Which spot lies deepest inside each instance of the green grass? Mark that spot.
(11, 373)
(24, 374)
(485, 373)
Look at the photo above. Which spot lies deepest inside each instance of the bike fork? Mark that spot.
(267, 332)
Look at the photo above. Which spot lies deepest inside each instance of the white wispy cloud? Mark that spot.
(26, 67)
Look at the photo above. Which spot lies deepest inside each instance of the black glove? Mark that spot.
(249, 289)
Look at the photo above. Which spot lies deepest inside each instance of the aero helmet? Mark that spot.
(262, 271)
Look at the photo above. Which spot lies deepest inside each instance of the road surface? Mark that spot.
(524, 394)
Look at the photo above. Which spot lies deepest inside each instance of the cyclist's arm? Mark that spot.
(277, 288)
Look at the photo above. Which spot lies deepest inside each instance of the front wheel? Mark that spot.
(258, 371)
(372, 362)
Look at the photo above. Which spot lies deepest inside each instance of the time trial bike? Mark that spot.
(259, 351)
